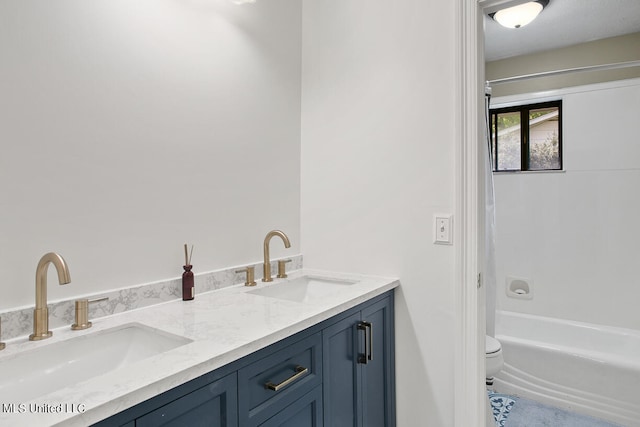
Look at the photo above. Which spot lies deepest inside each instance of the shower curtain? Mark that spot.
(489, 226)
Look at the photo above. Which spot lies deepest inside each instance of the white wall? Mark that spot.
(575, 234)
(130, 128)
(377, 163)
(596, 52)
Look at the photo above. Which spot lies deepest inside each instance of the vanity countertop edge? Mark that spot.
(224, 326)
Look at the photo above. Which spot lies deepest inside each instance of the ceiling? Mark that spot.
(562, 23)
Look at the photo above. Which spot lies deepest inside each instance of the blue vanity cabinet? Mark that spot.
(338, 373)
(358, 364)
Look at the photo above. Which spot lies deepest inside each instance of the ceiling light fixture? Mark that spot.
(520, 15)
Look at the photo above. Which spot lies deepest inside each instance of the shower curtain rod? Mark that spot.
(565, 71)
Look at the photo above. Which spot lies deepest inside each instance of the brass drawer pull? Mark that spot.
(300, 371)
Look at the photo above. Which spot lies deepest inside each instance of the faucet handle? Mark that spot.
(281, 268)
(251, 272)
(2, 345)
(82, 313)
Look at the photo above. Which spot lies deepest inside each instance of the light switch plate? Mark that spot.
(443, 233)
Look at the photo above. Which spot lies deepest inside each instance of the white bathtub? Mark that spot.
(590, 369)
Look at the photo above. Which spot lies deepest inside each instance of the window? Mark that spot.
(527, 137)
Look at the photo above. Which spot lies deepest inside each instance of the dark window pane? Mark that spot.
(508, 141)
(544, 145)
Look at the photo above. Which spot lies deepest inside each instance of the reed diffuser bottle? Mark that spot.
(188, 291)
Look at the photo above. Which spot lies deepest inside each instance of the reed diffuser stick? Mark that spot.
(186, 255)
(190, 254)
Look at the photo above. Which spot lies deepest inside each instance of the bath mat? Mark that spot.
(528, 413)
(501, 405)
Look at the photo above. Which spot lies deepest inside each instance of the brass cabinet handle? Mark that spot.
(300, 371)
(367, 327)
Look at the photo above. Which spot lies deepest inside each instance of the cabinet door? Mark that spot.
(340, 373)
(214, 405)
(304, 412)
(377, 380)
(358, 366)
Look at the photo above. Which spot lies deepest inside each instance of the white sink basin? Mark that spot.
(33, 373)
(304, 289)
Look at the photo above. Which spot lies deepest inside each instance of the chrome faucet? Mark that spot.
(41, 313)
(266, 267)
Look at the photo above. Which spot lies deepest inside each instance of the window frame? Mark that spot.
(524, 110)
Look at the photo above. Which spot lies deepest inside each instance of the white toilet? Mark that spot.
(493, 358)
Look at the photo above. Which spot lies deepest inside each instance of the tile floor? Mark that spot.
(528, 413)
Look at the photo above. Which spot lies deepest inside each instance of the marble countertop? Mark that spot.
(224, 325)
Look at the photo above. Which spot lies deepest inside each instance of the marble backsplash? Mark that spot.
(19, 322)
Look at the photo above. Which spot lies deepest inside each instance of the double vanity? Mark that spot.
(313, 349)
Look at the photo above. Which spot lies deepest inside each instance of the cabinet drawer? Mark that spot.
(304, 412)
(213, 405)
(277, 380)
